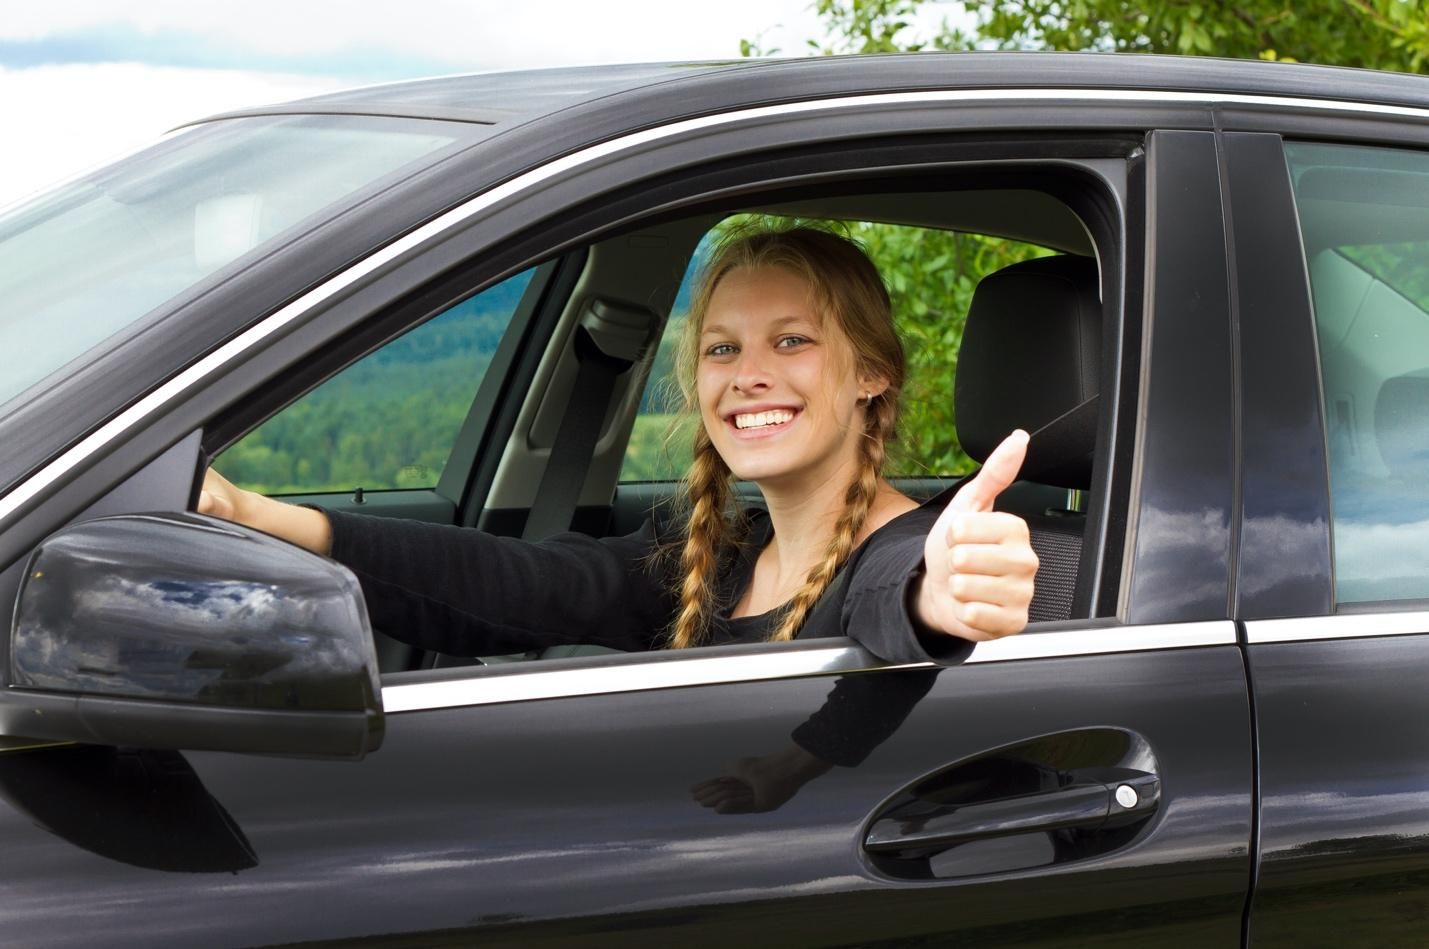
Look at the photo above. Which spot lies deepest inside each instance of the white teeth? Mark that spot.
(759, 419)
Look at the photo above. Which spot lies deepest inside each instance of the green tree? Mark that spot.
(1374, 34)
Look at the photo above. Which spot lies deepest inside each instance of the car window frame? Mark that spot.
(768, 660)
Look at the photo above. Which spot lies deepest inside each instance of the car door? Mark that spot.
(1332, 574)
(1088, 782)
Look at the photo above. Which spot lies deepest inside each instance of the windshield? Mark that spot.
(88, 260)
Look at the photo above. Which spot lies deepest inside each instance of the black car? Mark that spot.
(1213, 734)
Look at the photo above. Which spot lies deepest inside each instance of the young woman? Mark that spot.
(792, 365)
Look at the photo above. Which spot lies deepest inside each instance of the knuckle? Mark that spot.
(961, 558)
(1014, 528)
(958, 528)
(975, 615)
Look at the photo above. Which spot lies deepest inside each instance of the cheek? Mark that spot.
(835, 386)
(708, 386)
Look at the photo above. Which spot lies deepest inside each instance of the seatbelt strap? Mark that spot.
(609, 340)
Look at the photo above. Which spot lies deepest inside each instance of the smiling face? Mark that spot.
(778, 391)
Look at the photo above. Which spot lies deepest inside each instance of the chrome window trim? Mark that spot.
(527, 683)
(174, 388)
(1345, 626)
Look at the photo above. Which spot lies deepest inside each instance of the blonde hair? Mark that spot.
(847, 293)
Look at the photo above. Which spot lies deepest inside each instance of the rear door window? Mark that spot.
(1364, 216)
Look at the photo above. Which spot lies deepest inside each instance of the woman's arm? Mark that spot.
(461, 591)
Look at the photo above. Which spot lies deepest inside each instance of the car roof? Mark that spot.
(500, 98)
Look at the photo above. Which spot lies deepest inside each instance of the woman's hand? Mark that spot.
(760, 784)
(978, 563)
(297, 525)
(222, 498)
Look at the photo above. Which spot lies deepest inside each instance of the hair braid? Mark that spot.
(858, 502)
(708, 491)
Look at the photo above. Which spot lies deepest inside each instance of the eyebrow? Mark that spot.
(718, 329)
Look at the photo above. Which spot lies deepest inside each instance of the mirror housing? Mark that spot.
(183, 631)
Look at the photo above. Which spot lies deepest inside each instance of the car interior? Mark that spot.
(548, 450)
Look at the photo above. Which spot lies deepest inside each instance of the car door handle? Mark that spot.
(1086, 805)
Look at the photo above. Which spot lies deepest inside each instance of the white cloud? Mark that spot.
(63, 120)
(486, 33)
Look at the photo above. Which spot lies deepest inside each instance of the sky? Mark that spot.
(83, 82)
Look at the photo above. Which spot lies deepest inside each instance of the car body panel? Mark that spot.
(1344, 781)
(571, 820)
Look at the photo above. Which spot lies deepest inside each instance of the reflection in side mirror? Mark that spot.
(184, 631)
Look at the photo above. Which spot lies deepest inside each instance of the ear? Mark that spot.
(875, 385)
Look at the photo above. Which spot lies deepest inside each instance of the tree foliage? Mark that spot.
(1374, 34)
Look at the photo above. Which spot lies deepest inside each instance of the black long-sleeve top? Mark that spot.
(464, 592)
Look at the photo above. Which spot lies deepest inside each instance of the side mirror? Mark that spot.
(183, 631)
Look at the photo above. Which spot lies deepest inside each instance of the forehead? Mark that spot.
(761, 294)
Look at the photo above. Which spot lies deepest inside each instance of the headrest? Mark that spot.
(1400, 413)
(1031, 359)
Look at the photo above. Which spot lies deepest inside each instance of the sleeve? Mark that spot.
(861, 713)
(876, 612)
(464, 592)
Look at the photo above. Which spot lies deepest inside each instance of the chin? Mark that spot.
(754, 470)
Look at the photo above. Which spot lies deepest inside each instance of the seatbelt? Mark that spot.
(610, 338)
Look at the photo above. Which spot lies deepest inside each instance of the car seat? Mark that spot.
(1031, 359)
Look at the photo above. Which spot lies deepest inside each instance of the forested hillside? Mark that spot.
(389, 420)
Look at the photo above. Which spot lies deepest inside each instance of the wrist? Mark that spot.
(801, 763)
(304, 526)
(920, 607)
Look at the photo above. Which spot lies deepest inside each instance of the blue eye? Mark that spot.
(790, 342)
(721, 349)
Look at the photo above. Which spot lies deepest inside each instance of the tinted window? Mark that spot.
(1365, 219)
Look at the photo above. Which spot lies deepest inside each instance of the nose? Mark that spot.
(750, 373)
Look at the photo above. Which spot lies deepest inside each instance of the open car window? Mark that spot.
(933, 263)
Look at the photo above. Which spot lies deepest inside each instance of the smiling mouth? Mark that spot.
(770, 419)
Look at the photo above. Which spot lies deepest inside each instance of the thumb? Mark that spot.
(215, 504)
(998, 472)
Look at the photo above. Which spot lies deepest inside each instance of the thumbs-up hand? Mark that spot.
(978, 563)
